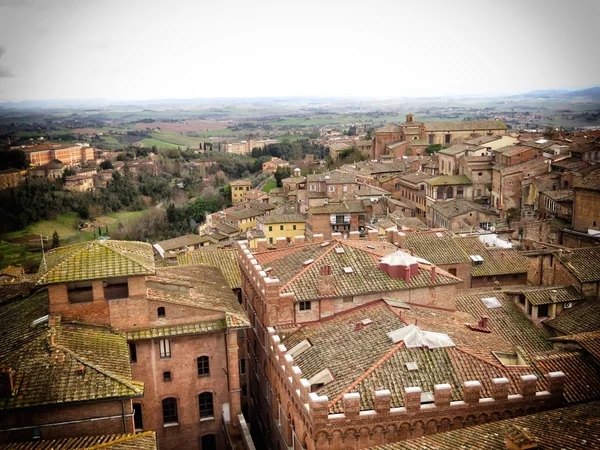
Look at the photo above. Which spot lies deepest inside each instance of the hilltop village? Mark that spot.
(441, 290)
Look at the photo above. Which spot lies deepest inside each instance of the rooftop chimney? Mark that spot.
(326, 285)
(483, 322)
(553, 295)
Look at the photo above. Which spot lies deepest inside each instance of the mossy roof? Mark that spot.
(47, 358)
(95, 260)
(225, 259)
(138, 441)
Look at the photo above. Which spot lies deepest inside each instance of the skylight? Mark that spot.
(308, 261)
(40, 320)
(325, 244)
(491, 302)
(299, 348)
(438, 234)
(412, 366)
(339, 250)
(348, 270)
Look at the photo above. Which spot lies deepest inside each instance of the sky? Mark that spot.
(151, 49)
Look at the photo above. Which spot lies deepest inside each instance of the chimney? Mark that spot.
(326, 285)
(373, 235)
(553, 295)
(433, 274)
(483, 322)
(354, 235)
(400, 239)
(261, 245)
(389, 234)
(318, 238)
(336, 235)
(299, 240)
(281, 242)
(6, 382)
(407, 275)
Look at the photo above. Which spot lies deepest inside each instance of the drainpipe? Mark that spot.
(123, 416)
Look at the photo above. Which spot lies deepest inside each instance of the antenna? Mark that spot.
(43, 254)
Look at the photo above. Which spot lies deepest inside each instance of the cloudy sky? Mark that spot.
(150, 49)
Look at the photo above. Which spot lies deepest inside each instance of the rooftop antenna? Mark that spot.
(43, 254)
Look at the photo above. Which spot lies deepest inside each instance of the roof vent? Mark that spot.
(325, 244)
(438, 234)
(366, 321)
(81, 370)
(339, 250)
(267, 270)
(308, 261)
(412, 366)
(348, 270)
(477, 259)
(40, 320)
(491, 302)
(371, 247)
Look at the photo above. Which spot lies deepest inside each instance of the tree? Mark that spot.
(351, 131)
(55, 239)
(433, 148)
(280, 174)
(369, 134)
(106, 165)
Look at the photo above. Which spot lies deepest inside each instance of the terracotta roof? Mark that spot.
(274, 217)
(288, 266)
(247, 213)
(590, 342)
(393, 145)
(507, 320)
(449, 180)
(592, 182)
(333, 177)
(582, 317)
(436, 249)
(415, 177)
(12, 271)
(47, 358)
(572, 428)
(456, 149)
(141, 441)
(584, 263)
(225, 259)
(465, 125)
(176, 330)
(240, 183)
(543, 295)
(457, 207)
(96, 259)
(362, 358)
(199, 286)
(388, 129)
(563, 195)
(182, 241)
(495, 261)
(482, 140)
(412, 223)
(346, 207)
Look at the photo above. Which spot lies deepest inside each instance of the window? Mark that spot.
(280, 227)
(132, 352)
(160, 311)
(422, 187)
(167, 376)
(242, 366)
(80, 292)
(137, 417)
(397, 186)
(542, 311)
(313, 187)
(165, 348)
(203, 366)
(361, 217)
(208, 442)
(270, 240)
(304, 306)
(116, 288)
(294, 227)
(169, 407)
(459, 193)
(348, 299)
(447, 138)
(452, 272)
(331, 188)
(450, 193)
(270, 228)
(430, 139)
(206, 405)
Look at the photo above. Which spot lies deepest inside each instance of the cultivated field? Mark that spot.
(188, 126)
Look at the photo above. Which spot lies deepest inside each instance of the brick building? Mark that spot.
(139, 441)
(61, 379)
(345, 217)
(586, 204)
(37, 155)
(183, 328)
(445, 133)
(462, 216)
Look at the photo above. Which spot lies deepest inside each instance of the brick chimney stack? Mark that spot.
(326, 286)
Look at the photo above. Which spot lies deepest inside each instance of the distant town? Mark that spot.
(301, 276)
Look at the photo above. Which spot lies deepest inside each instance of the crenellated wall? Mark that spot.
(315, 428)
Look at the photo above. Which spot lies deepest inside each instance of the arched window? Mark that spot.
(450, 193)
(203, 366)
(209, 442)
(205, 401)
(169, 406)
(161, 312)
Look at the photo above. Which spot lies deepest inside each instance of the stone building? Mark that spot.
(37, 155)
(444, 133)
(349, 216)
(79, 183)
(238, 190)
(462, 216)
(446, 188)
(10, 178)
(183, 327)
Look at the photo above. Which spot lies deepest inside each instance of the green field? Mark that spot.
(13, 254)
(159, 144)
(177, 139)
(269, 185)
(65, 225)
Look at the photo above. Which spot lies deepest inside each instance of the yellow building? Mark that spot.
(282, 226)
(238, 190)
(245, 219)
(11, 178)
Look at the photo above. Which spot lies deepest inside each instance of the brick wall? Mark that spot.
(77, 417)
(586, 210)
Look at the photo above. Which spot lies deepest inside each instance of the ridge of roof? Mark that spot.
(299, 274)
(123, 438)
(366, 374)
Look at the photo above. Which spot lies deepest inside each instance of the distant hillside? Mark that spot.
(591, 93)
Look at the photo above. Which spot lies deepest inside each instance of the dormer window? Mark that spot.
(161, 312)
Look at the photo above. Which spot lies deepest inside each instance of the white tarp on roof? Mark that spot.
(414, 337)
